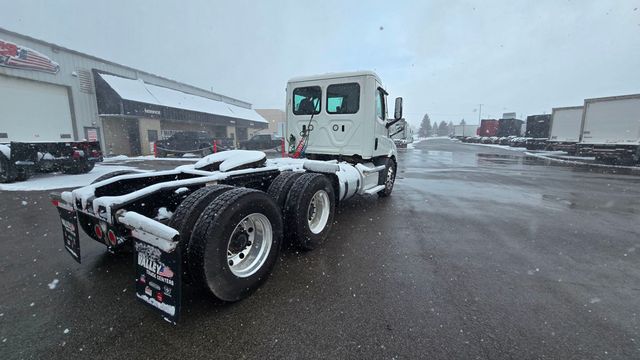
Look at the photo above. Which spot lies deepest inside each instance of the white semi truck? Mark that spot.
(611, 129)
(566, 123)
(402, 134)
(222, 221)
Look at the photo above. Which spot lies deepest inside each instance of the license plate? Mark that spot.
(69, 221)
(158, 277)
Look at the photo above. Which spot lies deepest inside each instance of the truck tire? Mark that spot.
(186, 215)
(235, 243)
(5, 177)
(280, 186)
(80, 167)
(308, 211)
(386, 177)
(112, 174)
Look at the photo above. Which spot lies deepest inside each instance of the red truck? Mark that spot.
(488, 127)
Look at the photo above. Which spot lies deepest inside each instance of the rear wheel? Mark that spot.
(235, 243)
(280, 186)
(309, 210)
(80, 167)
(4, 169)
(186, 215)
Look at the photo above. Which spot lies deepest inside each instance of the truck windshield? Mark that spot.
(306, 100)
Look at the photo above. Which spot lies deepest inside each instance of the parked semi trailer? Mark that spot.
(19, 160)
(509, 127)
(221, 222)
(611, 129)
(537, 131)
(564, 133)
(488, 128)
(463, 131)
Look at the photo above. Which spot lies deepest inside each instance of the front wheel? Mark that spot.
(387, 177)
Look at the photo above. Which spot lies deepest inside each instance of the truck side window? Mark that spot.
(306, 100)
(343, 98)
(380, 110)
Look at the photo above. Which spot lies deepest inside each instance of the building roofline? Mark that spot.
(95, 58)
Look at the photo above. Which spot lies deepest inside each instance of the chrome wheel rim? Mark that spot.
(391, 176)
(249, 245)
(318, 211)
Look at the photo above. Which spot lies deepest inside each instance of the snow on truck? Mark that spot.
(221, 222)
(611, 128)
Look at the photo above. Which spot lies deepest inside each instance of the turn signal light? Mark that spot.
(112, 237)
(98, 231)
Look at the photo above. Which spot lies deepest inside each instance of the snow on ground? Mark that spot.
(60, 180)
(124, 158)
(579, 161)
(504, 147)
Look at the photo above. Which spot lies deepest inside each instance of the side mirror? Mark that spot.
(398, 111)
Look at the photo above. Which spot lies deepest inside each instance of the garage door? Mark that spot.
(33, 111)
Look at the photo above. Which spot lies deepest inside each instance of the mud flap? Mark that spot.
(158, 274)
(70, 234)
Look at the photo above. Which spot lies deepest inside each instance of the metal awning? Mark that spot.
(158, 96)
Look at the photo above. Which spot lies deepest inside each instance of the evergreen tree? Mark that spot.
(443, 129)
(462, 122)
(425, 126)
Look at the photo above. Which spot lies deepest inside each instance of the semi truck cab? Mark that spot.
(341, 116)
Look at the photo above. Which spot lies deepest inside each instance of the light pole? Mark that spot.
(480, 113)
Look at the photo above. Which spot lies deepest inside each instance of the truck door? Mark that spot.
(343, 101)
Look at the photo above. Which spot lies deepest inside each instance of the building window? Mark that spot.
(306, 100)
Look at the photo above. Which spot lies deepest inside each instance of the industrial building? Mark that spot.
(51, 93)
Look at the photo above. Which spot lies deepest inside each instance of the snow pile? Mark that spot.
(231, 159)
(163, 213)
(54, 284)
(61, 181)
(124, 158)
(504, 147)
(5, 150)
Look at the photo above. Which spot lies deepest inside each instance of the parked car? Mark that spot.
(191, 142)
(262, 142)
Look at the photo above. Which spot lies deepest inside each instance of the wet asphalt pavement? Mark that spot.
(479, 253)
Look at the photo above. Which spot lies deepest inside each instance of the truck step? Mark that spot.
(374, 189)
(368, 170)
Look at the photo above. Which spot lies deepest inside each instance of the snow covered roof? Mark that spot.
(138, 90)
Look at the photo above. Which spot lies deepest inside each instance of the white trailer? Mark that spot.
(462, 131)
(566, 123)
(222, 221)
(611, 128)
(401, 133)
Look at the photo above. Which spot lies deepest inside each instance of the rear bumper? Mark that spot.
(158, 279)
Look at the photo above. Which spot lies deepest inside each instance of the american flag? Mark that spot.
(16, 56)
(165, 271)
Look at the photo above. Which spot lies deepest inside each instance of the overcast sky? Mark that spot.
(443, 57)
